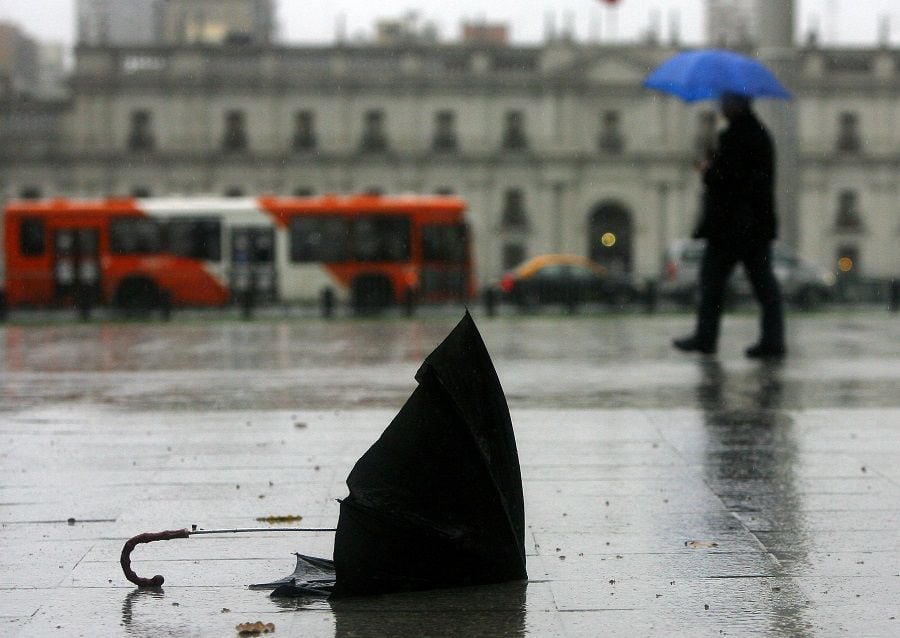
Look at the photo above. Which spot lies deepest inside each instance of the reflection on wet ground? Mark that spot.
(665, 494)
(581, 362)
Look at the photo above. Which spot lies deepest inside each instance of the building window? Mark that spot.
(513, 255)
(514, 215)
(374, 138)
(705, 141)
(141, 137)
(235, 138)
(444, 131)
(610, 139)
(514, 131)
(304, 131)
(848, 217)
(848, 140)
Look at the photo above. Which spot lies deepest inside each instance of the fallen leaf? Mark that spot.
(254, 628)
(273, 520)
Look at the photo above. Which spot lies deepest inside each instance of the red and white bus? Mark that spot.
(371, 250)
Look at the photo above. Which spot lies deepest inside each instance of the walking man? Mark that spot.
(738, 223)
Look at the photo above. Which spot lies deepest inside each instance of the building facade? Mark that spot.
(731, 22)
(119, 22)
(217, 21)
(174, 22)
(19, 61)
(553, 146)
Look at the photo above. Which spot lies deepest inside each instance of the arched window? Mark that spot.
(140, 137)
(514, 215)
(514, 138)
(848, 217)
(235, 136)
(610, 139)
(304, 131)
(848, 139)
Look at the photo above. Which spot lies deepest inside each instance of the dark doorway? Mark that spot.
(610, 236)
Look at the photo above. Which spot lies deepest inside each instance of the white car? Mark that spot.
(802, 283)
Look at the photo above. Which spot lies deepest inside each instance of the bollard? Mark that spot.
(489, 296)
(83, 301)
(409, 302)
(165, 305)
(247, 304)
(894, 303)
(651, 296)
(326, 302)
(4, 308)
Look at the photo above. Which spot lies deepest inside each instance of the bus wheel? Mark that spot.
(371, 294)
(137, 296)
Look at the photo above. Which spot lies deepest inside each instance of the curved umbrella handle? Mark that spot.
(147, 537)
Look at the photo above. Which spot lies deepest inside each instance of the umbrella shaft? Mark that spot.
(246, 530)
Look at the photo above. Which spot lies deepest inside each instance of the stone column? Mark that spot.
(776, 49)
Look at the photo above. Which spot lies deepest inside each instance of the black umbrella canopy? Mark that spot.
(437, 500)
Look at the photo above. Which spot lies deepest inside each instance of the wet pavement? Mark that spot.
(665, 494)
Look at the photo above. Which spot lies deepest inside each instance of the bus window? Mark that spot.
(319, 238)
(31, 237)
(380, 239)
(135, 236)
(444, 243)
(195, 238)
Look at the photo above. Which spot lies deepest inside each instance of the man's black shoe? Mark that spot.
(691, 344)
(763, 351)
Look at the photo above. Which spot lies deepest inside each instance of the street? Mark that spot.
(664, 493)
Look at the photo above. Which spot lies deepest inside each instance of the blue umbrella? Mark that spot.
(707, 74)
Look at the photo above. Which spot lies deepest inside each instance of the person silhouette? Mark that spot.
(738, 222)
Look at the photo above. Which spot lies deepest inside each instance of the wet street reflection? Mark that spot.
(583, 362)
(495, 610)
(751, 458)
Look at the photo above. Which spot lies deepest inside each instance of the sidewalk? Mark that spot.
(665, 494)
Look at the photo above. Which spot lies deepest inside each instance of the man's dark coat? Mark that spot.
(739, 205)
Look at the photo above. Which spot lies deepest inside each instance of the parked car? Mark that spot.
(804, 284)
(569, 280)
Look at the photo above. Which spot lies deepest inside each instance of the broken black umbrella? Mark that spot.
(436, 501)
